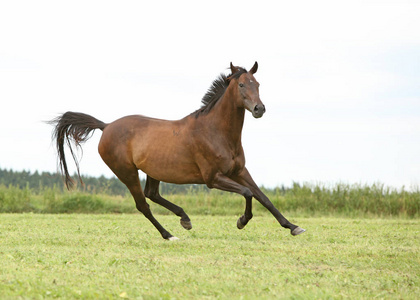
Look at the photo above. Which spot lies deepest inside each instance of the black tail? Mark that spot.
(76, 128)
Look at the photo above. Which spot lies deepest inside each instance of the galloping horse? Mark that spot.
(202, 148)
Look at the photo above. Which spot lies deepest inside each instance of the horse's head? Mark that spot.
(247, 86)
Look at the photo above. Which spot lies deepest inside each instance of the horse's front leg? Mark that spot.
(246, 180)
(222, 182)
(244, 219)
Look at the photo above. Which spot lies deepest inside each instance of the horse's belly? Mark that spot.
(181, 174)
(169, 166)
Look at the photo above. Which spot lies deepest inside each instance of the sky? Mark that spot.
(340, 80)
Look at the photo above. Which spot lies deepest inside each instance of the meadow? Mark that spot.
(116, 256)
(361, 242)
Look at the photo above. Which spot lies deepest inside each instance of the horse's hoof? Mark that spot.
(186, 224)
(239, 224)
(298, 231)
(173, 238)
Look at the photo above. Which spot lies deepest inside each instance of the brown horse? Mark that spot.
(202, 148)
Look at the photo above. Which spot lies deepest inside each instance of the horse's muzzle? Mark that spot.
(258, 110)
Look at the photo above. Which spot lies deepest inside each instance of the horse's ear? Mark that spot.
(233, 69)
(254, 68)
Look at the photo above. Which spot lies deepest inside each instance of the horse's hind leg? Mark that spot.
(131, 179)
(152, 192)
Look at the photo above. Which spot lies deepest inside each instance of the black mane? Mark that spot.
(216, 91)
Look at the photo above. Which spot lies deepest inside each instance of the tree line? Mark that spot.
(38, 181)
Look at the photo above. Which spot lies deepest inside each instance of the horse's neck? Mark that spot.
(228, 118)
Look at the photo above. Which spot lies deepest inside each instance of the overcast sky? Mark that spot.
(340, 79)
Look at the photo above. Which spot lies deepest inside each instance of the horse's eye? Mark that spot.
(241, 85)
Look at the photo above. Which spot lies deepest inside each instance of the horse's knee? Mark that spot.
(247, 193)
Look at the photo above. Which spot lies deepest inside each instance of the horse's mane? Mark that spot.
(216, 91)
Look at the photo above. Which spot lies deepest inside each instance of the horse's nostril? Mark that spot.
(259, 108)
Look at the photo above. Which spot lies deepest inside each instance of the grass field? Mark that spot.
(123, 256)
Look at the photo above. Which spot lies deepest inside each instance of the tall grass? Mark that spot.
(306, 200)
(352, 200)
(52, 200)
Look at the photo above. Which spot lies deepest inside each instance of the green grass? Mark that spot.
(122, 256)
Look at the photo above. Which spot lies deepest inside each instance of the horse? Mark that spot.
(202, 148)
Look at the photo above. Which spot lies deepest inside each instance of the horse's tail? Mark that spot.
(76, 128)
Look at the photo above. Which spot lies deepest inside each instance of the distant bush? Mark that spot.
(16, 200)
